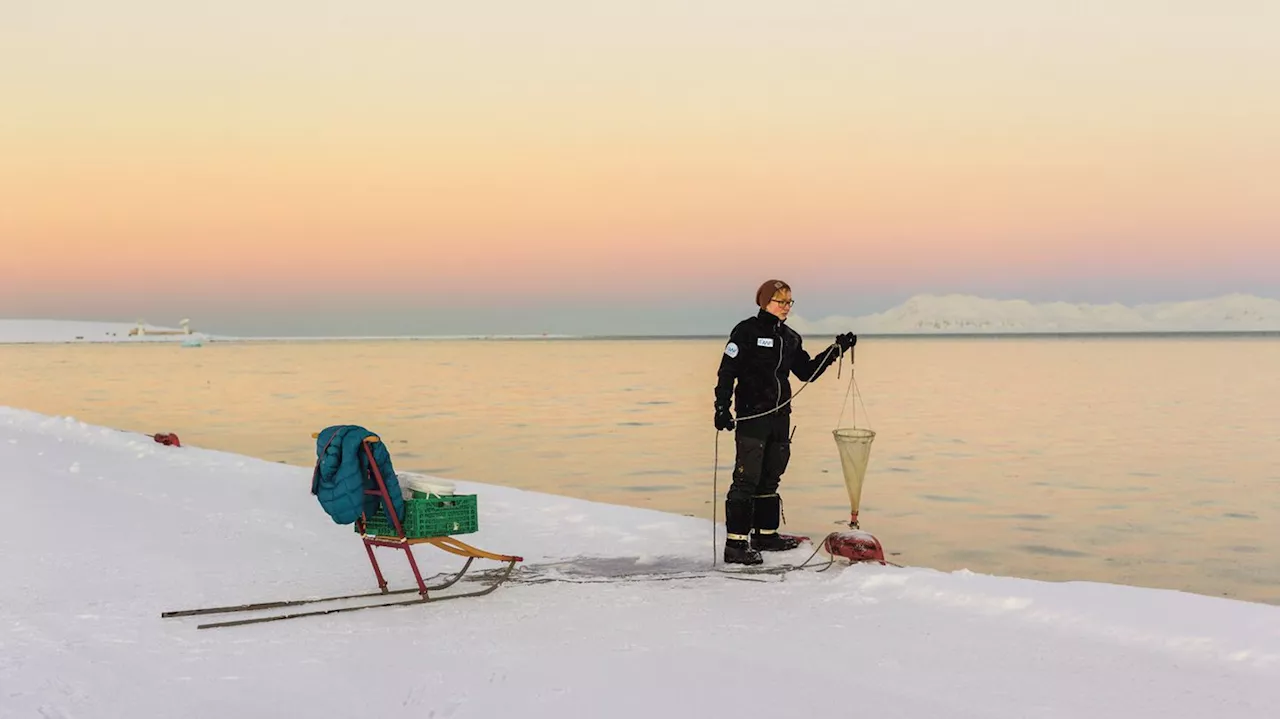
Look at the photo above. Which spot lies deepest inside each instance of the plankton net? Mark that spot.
(854, 444)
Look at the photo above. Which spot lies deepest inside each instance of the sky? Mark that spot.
(281, 167)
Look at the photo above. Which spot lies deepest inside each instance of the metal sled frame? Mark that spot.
(448, 544)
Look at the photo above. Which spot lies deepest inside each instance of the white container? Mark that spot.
(429, 485)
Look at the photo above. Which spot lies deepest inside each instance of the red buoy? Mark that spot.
(854, 545)
(168, 440)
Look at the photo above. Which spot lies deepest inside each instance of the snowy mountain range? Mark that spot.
(966, 314)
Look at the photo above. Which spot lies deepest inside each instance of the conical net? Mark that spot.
(855, 452)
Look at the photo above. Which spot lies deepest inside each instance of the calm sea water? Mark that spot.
(1153, 462)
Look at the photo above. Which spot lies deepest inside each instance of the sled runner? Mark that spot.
(427, 519)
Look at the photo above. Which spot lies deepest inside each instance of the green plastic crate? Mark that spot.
(430, 516)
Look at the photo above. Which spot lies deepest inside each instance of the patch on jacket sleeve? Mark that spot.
(731, 349)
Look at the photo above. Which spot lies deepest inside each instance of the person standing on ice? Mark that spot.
(759, 357)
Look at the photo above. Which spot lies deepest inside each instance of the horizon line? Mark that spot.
(914, 336)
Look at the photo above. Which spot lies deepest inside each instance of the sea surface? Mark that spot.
(1150, 461)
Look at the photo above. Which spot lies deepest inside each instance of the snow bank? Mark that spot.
(107, 529)
(931, 314)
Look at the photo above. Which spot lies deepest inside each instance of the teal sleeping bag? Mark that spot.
(342, 474)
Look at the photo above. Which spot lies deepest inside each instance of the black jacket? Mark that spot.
(760, 353)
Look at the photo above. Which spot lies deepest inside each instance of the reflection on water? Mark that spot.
(1142, 461)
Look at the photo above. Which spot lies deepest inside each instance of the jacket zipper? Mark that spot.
(777, 400)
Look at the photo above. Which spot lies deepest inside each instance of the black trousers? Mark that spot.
(763, 452)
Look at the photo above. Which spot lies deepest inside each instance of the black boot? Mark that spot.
(737, 551)
(766, 517)
(737, 522)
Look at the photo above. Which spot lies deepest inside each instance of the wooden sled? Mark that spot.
(399, 540)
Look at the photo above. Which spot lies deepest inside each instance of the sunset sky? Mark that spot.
(280, 166)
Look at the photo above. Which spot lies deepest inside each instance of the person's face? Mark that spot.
(780, 305)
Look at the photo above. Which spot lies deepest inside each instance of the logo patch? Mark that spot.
(731, 349)
(765, 342)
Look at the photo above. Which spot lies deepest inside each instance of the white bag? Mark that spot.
(412, 482)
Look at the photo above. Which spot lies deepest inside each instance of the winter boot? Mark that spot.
(766, 517)
(737, 522)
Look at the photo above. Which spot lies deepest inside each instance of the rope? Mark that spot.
(749, 574)
(856, 393)
(803, 384)
(847, 392)
(715, 497)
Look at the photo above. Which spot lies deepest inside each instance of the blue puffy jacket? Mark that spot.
(341, 475)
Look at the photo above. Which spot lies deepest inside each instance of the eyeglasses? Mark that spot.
(784, 303)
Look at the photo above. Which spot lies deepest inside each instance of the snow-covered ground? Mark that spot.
(105, 529)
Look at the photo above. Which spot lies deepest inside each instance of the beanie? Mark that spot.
(768, 290)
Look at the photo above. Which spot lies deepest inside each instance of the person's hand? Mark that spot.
(846, 340)
(724, 420)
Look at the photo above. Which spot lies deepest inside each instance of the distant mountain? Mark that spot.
(966, 314)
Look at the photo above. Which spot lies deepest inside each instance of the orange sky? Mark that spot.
(589, 150)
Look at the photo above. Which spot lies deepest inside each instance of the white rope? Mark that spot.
(803, 384)
(856, 395)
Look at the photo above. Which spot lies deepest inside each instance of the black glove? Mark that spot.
(724, 420)
(846, 340)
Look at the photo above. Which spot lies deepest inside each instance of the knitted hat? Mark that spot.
(768, 290)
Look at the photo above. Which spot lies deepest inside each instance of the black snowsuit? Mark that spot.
(760, 355)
